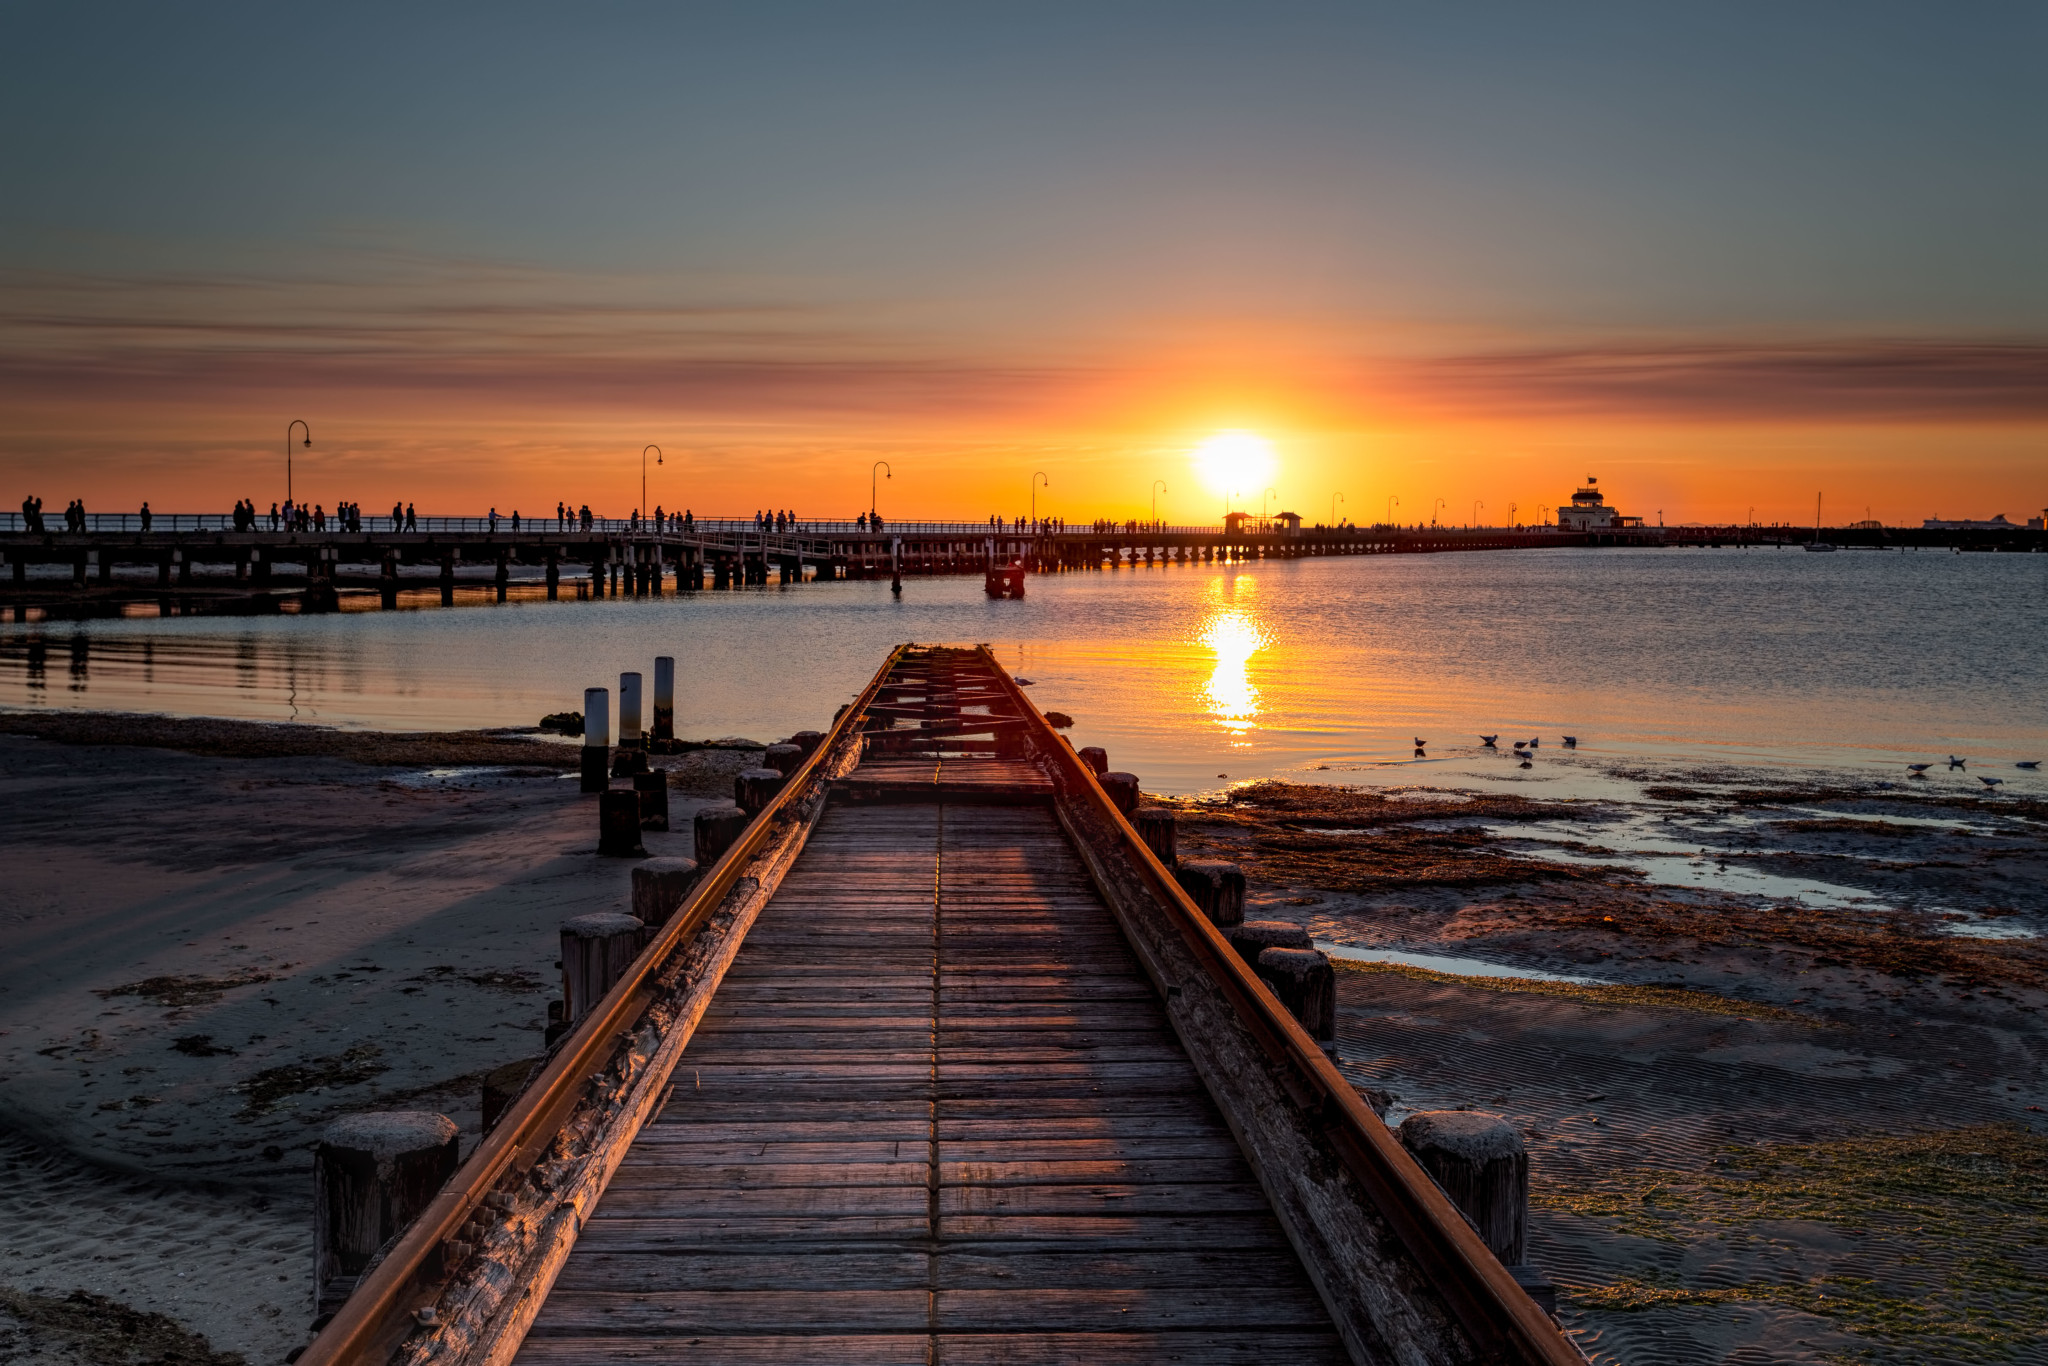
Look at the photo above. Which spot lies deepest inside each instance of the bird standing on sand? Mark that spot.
(1535, 742)
(1954, 762)
(1488, 740)
(1571, 742)
(2028, 763)
(1418, 749)
(1919, 770)
(1989, 782)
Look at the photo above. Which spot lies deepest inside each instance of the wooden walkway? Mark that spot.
(934, 1114)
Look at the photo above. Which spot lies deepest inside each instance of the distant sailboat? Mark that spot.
(1817, 543)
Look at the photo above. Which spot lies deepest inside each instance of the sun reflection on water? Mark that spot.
(1233, 631)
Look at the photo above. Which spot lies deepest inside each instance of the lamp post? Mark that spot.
(1476, 505)
(1433, 509)
(1158, 487)
(1037, 475)
(1513, 508)
(295, 422)
(879, 465)
(643, 478)
(1392, 503)
(1262, 502)
(1335, 499)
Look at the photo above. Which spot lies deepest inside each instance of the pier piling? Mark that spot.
(664, 697)
(717, 826)
(596, 951)
(1307, 985)
(618, 824)
(597, 739)
(1482, 1164)
(652, 789)
(659, 886)
(1216, 888)
(372, 1174)
(1155, 826)
(1123, 790)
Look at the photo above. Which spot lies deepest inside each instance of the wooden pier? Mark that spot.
(189, 558)
(938, 1063)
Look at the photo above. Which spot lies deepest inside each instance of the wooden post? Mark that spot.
(1122, 789)
(554, 576)
(717, 826)
(659, 887)
(1096, 757)
(754, 788)
(1254, 937)
(1483, 1165)
(652, 789)
(1156, 828)
(1306, 984)
(807, 741)
(1216, 888)
(596, 951)
(783, 758)
(372, 1175)
(896, 564)
(597, 739)
(664, 697)
(629, 711)
(618, 824)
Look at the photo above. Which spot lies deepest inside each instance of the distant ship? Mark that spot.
(1817, 543)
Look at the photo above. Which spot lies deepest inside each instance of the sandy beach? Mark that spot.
(1759, 1132)
(210, 955)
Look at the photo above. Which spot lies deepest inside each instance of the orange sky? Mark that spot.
(1722, 257)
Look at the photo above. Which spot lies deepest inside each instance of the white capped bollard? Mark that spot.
(629, 711)
(664, 697)
(597, 739)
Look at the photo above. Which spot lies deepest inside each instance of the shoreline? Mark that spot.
(231, 932)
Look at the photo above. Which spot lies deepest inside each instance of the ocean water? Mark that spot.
(1196, 677)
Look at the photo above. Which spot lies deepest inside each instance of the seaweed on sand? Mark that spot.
(1942, 1223)
(267, 1089)
(109, 1333)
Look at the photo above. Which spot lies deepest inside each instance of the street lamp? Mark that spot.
(1037, 475)
(1335, 499)
(643, 478)
(295, 422)
(1392, 503)
(1158, 487)
(1513, 508)
(1476, 505)
(879, 465)
(1432, 510)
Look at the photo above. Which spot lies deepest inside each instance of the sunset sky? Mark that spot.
(1721, 255)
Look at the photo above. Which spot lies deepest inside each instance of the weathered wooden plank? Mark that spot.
(1174, 1171)
(653, 1173)
(1046, 1309)
(684, 1313)
(1199, 1348)
(810, 1349)
(667, 1233)
(1163, 1198)
(785, 1268)
(638, 1202)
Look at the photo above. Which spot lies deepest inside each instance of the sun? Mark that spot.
(1235, 462)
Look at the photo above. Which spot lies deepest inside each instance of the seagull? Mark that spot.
(1989, 782)
(1420, 743)
(2028, 763)
(1571, 742)
(1919, 770)
(1488, 740)
(1954, 762)
(1535, 742)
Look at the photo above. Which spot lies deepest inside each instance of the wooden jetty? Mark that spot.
(939, 1063)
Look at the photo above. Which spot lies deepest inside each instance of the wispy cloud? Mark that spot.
(1842, 381)
(416, 328)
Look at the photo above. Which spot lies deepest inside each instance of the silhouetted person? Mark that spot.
(412, 522)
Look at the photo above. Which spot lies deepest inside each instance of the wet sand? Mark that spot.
(205, 957)
(221, 935)
(1775, 1133)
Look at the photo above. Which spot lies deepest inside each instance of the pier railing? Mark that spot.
(385, 525)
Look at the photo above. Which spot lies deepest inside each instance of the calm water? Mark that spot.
(1186, 674)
